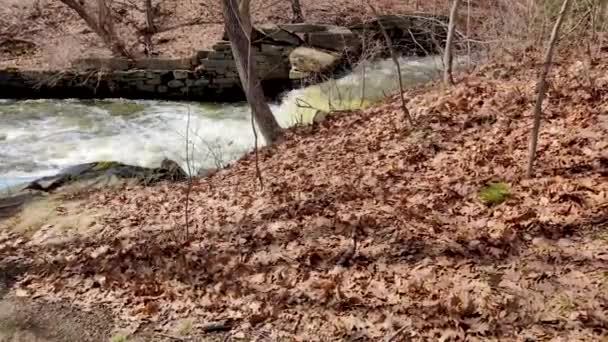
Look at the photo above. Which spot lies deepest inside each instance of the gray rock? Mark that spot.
(147, 88)
(304, 28)
(168, 170)
(201, 82)
(205, 172)
(320, 116)
(219, 55)
(335, 38)
(217, 64)
(222, 46)
(162, 64)
(180, 74)
(154, 81)
(268, 49)
(175, 84)
(201, 54)
(152, 74)
(162, 89)
(308, 60)
(274, 33)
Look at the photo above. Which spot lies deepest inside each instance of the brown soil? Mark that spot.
(26, 320)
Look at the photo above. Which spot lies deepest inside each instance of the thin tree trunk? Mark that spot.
(542, 84)
(448, 57)
(389, 43)
(239, 32)
(296, 8)
(102, 25)
(150, 28)
(245, 16)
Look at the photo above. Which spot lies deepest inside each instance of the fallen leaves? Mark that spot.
(429, 254)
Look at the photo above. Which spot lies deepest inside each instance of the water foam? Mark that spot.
(40, 137)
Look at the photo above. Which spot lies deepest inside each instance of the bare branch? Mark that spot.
(542, 84)
(389, 43)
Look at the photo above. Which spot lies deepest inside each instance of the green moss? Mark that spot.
(119, 338)
(104, 165)
(325, 99)
(565, 304)
(494, 193)
(185, 328)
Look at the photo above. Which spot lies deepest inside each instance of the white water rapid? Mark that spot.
(40, 137)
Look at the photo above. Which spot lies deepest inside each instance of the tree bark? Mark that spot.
(542, 84)
(103, 25)
(296, 8)
(238, 29)
(448, 58)
(150, 29)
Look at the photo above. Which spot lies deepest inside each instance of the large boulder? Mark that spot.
(307, 61)
(88, 176)
(334, 38)
(168, 170)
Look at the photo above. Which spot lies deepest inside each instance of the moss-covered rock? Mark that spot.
(168, 170)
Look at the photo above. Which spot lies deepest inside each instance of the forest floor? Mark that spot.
(366, 229)
(45, 34)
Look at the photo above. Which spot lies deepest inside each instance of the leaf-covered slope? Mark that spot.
(433, 260)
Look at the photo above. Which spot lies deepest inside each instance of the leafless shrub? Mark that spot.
(59, 54)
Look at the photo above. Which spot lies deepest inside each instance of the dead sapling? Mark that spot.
(349, 253)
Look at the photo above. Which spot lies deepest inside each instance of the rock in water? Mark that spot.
(172, 171)
(168, 170)
(308, 61)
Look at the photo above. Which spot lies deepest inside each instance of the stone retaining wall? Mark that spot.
(211, 75)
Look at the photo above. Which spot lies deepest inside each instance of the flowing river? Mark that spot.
(41, 137)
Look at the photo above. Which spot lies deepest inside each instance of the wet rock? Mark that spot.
(307, 61)
(168, 170)
(180, 74)
(175, 84)
(205, 172)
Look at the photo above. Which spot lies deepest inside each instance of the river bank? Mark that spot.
(40, 137)
(286, 56)
(441, 250)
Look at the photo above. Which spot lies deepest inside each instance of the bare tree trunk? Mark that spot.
(150, 29)
(102, 25)
(239, 31)
(296, 8)
(389, 43)
(448, 57)
(542, 84)
(245, 16)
